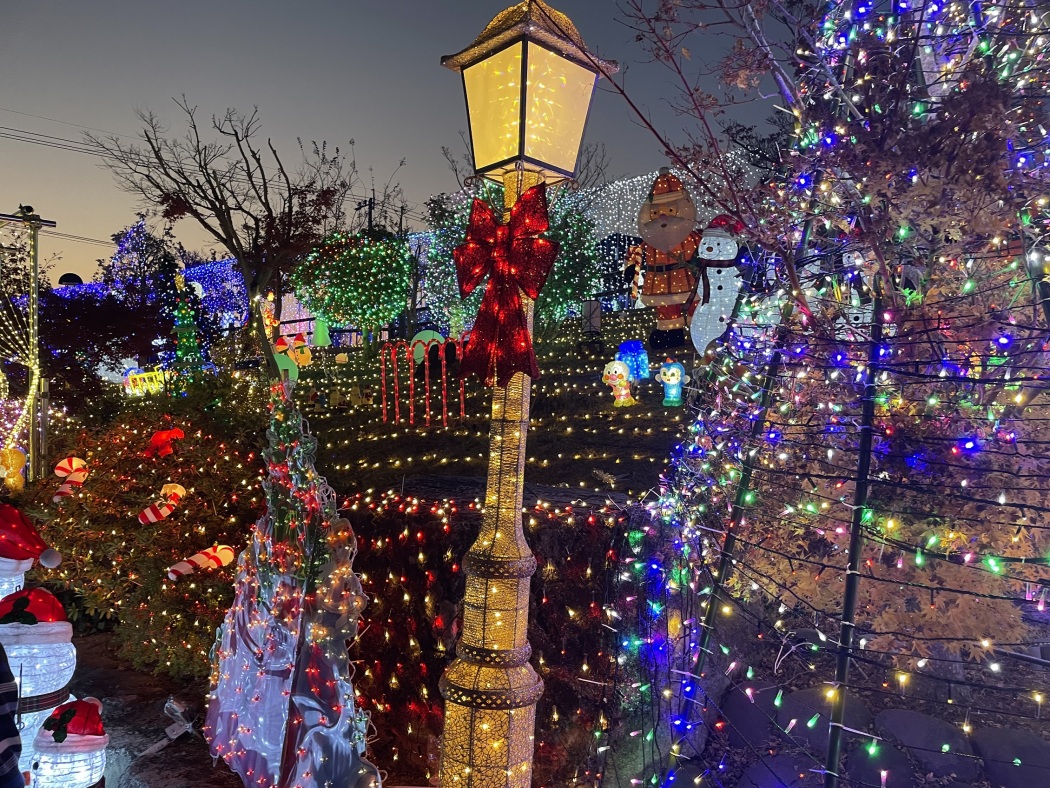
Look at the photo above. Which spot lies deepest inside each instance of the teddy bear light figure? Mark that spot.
(672, 375)
(618, 376)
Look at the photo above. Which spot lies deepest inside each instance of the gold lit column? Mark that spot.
(491, 689)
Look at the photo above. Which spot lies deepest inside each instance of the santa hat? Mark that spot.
(76, 718)
(281, 345)
(73, 728)
(31, 618)
(20, 541)
(725, 226)
(667, 188)
(299, 341)
(155, 512)
(36, 603)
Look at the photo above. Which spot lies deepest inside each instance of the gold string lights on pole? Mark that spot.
(20, 341)
(528, 80)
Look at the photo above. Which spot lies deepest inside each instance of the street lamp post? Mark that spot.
(528, 81)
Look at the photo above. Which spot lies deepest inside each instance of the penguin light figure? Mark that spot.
(672, 375)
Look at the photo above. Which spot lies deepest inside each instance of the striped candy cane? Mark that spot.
(212, 558)
(74, 481)
(69, 465)
(155, 512)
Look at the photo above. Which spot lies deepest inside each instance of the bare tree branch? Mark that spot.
(240, 193)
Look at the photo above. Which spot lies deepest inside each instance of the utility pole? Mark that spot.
(370, 204)
(32, 416)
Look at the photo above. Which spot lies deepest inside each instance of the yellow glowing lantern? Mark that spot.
(528, 80)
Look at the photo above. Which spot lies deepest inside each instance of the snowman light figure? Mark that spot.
(858, 306)
(672, 375)
(618, 376)
(720, 278)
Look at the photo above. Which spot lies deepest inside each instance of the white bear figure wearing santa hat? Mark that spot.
(20, 546)
(717, 257)
(71, 746)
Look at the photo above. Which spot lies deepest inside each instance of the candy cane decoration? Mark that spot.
(212, 558)
(68, 466)
(74, 481)
(155, 512)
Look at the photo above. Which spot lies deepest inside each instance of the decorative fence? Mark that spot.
(396, 357)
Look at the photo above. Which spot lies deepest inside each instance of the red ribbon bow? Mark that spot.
(516, 262)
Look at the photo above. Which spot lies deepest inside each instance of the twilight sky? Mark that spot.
(366, 70)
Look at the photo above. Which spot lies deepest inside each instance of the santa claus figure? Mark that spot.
(667, 224)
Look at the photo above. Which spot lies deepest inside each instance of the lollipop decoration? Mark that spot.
(212, 558)
(155, 512)
(68, 465)
(74, 481)
(74, 471)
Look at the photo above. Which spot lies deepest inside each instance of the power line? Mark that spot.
(77, 238)
(63, 122)
(74, 146)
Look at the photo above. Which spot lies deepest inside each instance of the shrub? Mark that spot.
(114, 568)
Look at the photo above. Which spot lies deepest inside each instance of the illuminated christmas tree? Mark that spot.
(188, 356)
(143, 269)
(282, 711)
(868, 436)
